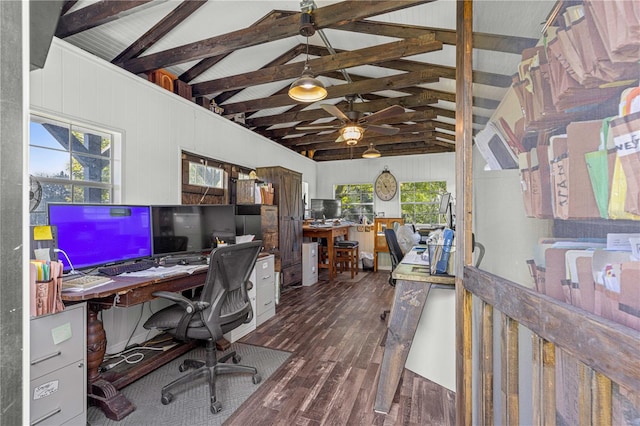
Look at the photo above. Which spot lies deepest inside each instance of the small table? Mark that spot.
(124, 291)
(413, 283)
(330, 233)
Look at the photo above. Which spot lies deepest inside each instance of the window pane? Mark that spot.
(49, 163)
(357, 201)
(91, 169)
(48, 133)
(88, 194)
(91, 142)
(420, 201)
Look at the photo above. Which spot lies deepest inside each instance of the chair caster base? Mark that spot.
(166, 398)
(256, 379)
(216, 407)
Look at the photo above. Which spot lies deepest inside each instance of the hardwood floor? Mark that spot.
(334, 332)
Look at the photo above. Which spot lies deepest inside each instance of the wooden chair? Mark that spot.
(346, 257)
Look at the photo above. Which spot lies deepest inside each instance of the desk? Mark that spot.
(330, 233)
(413, 283)
(124, 291)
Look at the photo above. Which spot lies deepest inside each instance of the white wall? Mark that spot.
(156, 125)
(414, 168)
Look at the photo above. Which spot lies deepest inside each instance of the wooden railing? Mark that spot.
(591, 362)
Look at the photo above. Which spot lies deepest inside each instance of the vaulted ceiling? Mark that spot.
(243, 55)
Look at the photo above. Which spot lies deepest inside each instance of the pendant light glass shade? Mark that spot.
(371, 152)
(352, 142)
(351, 132)
(307, 88)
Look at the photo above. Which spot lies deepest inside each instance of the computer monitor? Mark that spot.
(93, 235)
(326, 208)
(182, 229)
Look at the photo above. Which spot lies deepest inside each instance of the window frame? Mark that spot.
(112, 185)
(356, 216)
(433, 205)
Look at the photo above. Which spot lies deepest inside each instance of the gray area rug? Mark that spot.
(191, 404)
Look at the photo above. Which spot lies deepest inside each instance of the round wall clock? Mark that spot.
(386, 185)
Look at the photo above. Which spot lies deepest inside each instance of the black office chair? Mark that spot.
(396, 256)
(222, 306)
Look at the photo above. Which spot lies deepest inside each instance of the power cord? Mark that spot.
(72, 271)
(133, 358)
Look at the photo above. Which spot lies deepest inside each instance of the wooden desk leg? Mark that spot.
(409, 299)
(99, 391)
(331, 255)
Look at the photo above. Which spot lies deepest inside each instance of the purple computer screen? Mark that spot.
(99, 234)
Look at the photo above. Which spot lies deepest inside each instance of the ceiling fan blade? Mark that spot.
(340, 139)
(317, 127)
(382, 114)
(335, 111)
(385, 130)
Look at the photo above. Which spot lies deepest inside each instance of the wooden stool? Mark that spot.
(346, 257)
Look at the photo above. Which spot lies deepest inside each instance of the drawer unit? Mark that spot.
(58, 385)
(265, 297)
(309, 263)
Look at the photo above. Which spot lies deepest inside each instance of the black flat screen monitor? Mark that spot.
(326, 208)
(95, 235)
(181, 229)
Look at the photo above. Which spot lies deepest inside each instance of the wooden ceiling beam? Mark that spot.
(403, 149)
(159, 30)
(330, 138)
(395, 82)
(484, 41)
(97, 14)
(366, 56)
(284, 27)
(209, 62)
(409, 102)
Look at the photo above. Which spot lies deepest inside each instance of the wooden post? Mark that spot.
(464, 146)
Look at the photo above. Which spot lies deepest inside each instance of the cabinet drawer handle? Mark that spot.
(268, 303)
(45, 357)
(46, 416)
(266, 277)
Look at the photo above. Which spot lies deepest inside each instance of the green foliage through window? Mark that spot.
(420, 201)
(357, 201)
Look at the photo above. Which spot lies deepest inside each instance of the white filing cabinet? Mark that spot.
(266, 295)
(58, 352)
(309, 263)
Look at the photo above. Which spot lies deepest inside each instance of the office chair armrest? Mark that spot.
(190, 307)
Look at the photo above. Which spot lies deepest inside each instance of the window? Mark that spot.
(357, 201)
(71, 163)
(205, 175)
(420, 202)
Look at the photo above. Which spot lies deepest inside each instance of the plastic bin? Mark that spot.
(367, 261)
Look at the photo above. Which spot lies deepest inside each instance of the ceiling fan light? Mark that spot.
(352, 142)
(371, 152)
(352, 132)
(307, 88)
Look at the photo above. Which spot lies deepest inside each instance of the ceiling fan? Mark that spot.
(354, 123)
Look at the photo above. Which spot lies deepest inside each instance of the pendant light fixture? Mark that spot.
(307, 88)
(371, 152)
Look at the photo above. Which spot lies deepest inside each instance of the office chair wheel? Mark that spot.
(182, 368)
(216, 407)
(383, 316)
(236, 359)
(166, 398)
(256, 379)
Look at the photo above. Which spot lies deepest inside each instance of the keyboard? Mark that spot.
(79, 282)
(127, 267)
